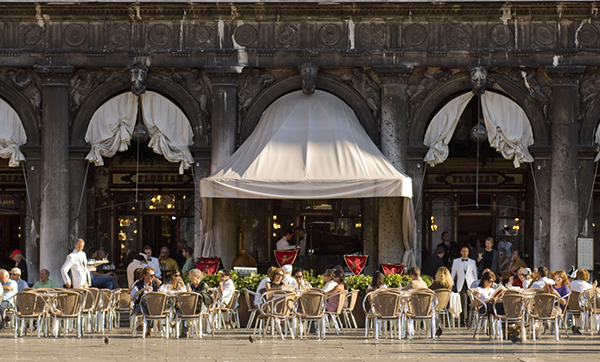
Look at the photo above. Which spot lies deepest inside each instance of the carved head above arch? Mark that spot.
(138, 78)
(308, 74)
(478, 79)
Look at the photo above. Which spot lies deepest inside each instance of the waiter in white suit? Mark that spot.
(464, 270)
(77, 263)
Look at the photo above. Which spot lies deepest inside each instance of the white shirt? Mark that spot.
(290, 282)
(77, 263)
(262, 287)
(540, 284)
(580, 285)
(484, 293)
(228, 289)
(328, 287)
(153, 263)
(131, 269)
(284, 244)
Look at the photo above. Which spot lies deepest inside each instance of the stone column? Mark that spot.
(393, 136)
(541, 215)
(54, 205)
(78, 195)
(587, 167)
(222, 146)
(32, 219)
(564, 192)
(201, 170)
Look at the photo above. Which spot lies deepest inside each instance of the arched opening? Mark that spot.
(473, 191)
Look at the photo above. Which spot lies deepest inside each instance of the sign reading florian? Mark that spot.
(468, 179)
(151, 179)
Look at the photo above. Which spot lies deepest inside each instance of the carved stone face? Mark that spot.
(308, 74)
(478, 79)
(138, 80)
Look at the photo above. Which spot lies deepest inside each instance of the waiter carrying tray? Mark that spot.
(77, 263)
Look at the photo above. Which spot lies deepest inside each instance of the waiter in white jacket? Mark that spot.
(77, 263)
(465, 272)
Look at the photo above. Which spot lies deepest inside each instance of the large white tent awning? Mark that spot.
(307, 147)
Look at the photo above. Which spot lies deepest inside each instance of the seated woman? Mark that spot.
(443, 279)
(176, 285)
(332, 303)
(277, 281)
(485, 292)
(377, 282)
(560, 288)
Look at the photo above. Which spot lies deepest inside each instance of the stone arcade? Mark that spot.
(395, 63)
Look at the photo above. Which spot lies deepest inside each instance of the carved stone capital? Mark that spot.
(224, 76)
(565, 75)
(393, 75)
(54, 76)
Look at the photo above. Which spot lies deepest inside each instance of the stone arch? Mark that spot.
(461, 83)
(333, 86)
(122, 83)
(26, 113)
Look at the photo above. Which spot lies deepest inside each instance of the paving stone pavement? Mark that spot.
(233, 345)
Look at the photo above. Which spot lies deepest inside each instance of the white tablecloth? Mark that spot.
(454, 306)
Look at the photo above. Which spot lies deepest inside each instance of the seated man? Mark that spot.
(45, 281)
(417, 282)
(9, 288)
(167, 264)
(15, 274)
(98, 279)
(148, 283)
(301, 284)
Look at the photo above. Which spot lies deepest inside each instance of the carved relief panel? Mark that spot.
(288, 35)
(331, 35)
(31, 35)
(543, 34)
(74, 35)
(415, 35)
(202, 35)
(372, 35)
(117, 34)
(160, 35)
(586, 34)
(500, 35)
(26, 82)
(246, 34)
(458, 35)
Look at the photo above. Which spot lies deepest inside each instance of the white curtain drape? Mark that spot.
(508, 127)
(169, 129)
(597, 139)
(409, 229)
(440, 130)
(111, 127)
(12, 135)
(208, 236)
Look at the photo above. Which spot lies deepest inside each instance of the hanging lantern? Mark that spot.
(478, 133)
(140, 133)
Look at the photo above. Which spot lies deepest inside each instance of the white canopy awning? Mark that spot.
(307, 147)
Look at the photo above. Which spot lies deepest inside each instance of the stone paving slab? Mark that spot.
(233, 345)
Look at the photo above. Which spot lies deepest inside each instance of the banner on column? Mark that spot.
(285, 256)
(208, 265)
(392, 268)
(356, 263)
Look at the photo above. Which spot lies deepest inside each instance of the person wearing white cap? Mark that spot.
(287, 278)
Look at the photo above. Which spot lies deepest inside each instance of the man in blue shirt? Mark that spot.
(9, 288)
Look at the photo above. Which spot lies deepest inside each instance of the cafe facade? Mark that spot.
(111, 114)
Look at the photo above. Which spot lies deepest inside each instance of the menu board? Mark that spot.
(585, 253)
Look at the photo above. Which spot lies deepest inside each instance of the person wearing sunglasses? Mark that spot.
(148, 283)
(301, 284)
